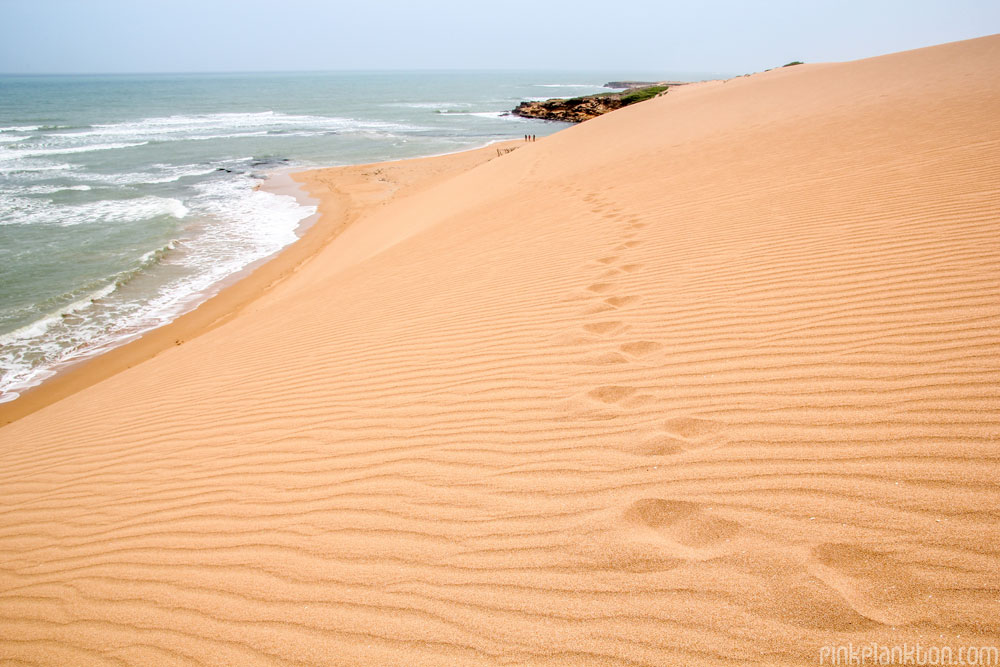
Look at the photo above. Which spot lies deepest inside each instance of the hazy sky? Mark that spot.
(41, 36)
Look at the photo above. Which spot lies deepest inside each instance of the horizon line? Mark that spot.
(356, 71)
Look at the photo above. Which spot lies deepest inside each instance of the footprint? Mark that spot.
(628, 245)
(606, 550)
(682, 523)
(618, 301)
(573, 339)
(598, 309)
(691, 427)
(609, 273)
(611, 393)
(695, 432)
(638, 560)
(605, 359)
(637, 225)
(602, 327)
(777, 585)
(629, 268)
(600, 288)
(658, 445)
(876, 585)
(640, 348)
(608, 260)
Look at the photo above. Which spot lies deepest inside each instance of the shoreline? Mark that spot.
(283, 185)
(235, 293)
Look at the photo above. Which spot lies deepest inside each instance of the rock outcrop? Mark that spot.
(578, 109)
(573, 110)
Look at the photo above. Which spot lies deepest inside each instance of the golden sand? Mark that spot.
(712, 379)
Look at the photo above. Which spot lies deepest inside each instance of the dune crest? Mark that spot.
(711, 379)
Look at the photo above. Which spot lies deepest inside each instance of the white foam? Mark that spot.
(429, 105)
(13, 167)
(122, 210)
(42, 325)
(15, 153)
(505, 115)
(20, 128)
(30, 211)
(50, 189)
(14, 209)
(152, 256)
(255, 220)
(163, 174)
(222, 125)
(231, 135)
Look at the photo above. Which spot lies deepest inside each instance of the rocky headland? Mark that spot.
(579, 109)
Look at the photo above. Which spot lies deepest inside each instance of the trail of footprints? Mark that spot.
(653, 533)
(607, 318)
(833, 582)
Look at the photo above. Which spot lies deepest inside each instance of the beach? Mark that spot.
(127, 200)
(711, 379)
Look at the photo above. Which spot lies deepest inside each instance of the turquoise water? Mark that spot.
(125, 200)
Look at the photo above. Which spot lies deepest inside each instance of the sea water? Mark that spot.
(125, 200)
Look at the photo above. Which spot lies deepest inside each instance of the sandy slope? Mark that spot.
(711, 379)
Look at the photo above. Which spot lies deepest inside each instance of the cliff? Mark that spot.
(578, 109)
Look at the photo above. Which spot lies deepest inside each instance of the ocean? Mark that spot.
(125, 200)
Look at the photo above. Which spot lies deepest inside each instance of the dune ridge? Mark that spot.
(708, 380)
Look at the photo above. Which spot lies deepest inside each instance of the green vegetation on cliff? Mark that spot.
(641, 94)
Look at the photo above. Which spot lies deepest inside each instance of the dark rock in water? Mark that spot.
(578, 109)
(271, 161)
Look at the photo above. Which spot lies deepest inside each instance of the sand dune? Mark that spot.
(708, 380)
